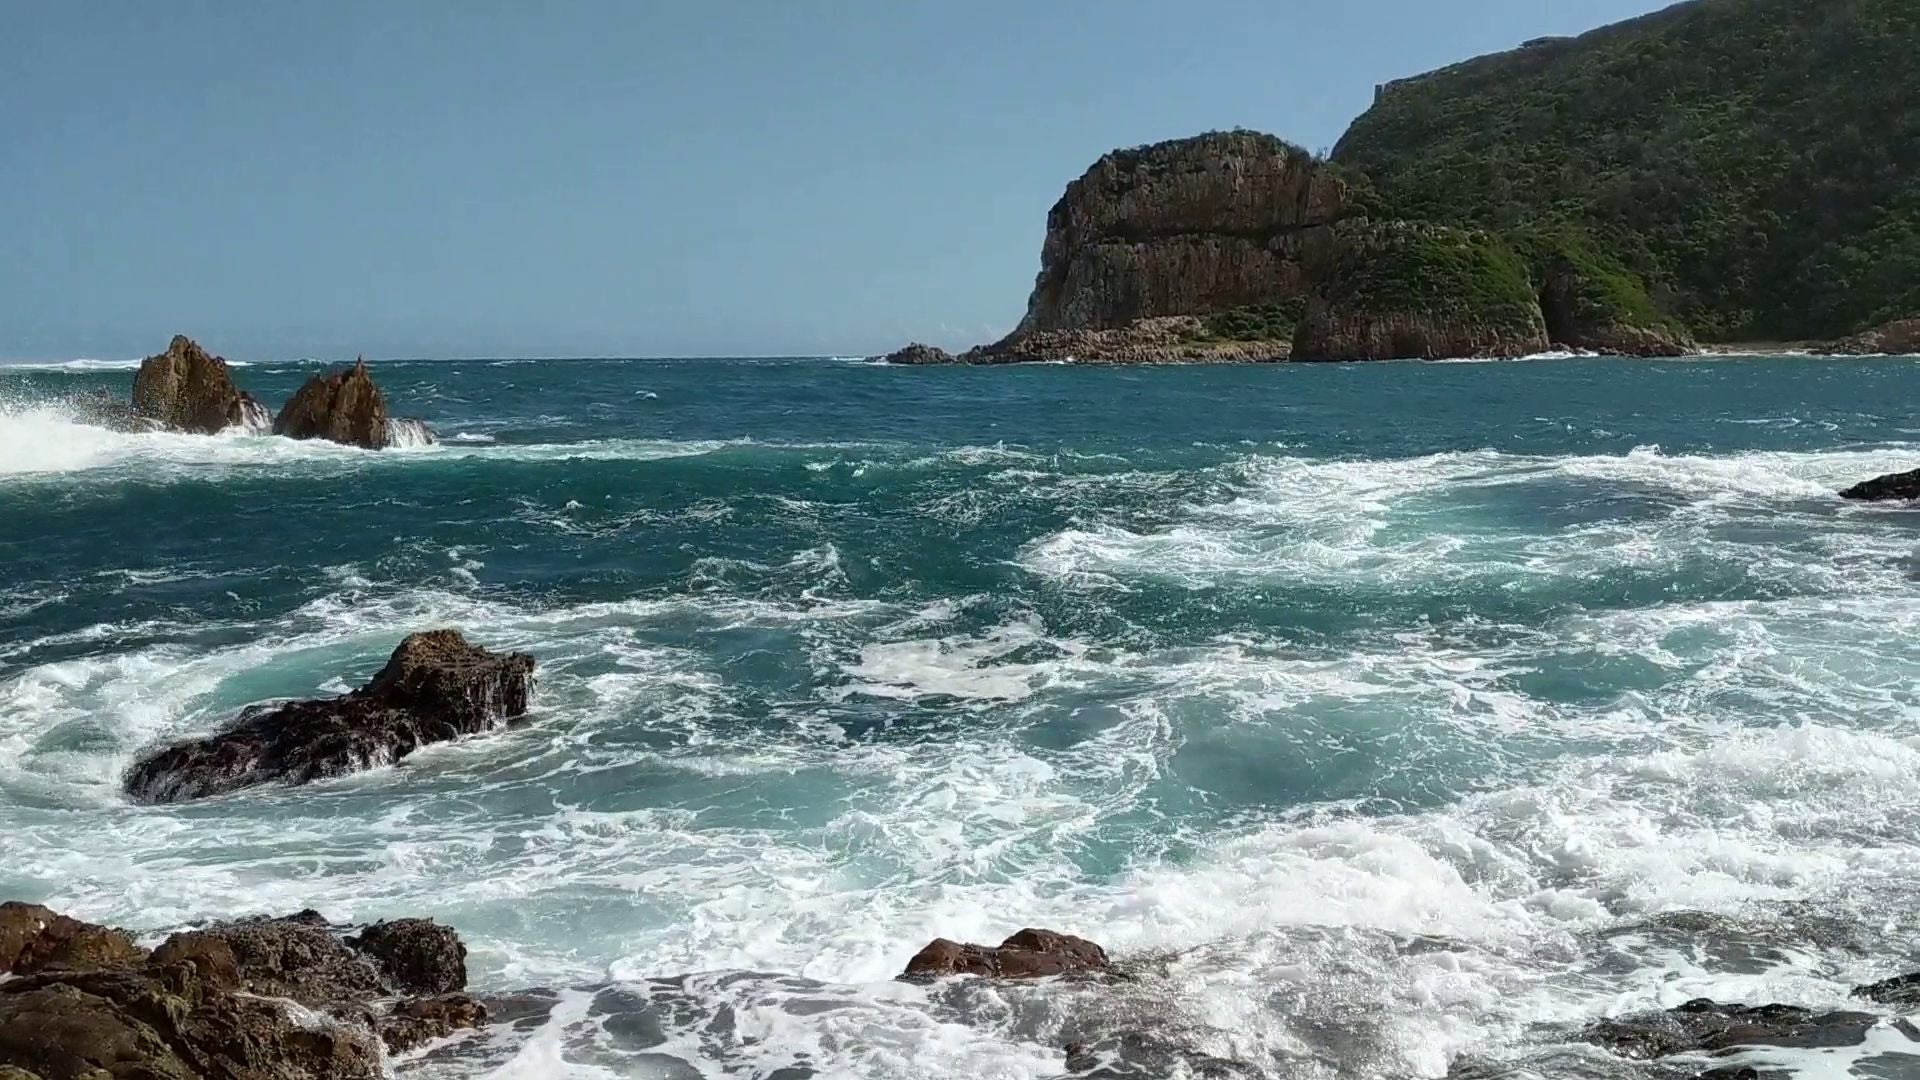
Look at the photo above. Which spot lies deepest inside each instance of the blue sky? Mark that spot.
(487, 178)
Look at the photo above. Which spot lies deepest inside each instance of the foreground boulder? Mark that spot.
(187, 389)
(342, 406)
(435, 687)
(33, 938)
(210, 1004)
(1703, 1026)
(1887, 488)
(1029, 954)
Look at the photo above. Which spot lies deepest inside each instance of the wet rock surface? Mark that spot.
(252, 999)
(417, 955)
(1703, 1026)
(1893, 487)
(436, 686)
(1029, 954)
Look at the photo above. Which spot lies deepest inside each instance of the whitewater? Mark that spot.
(1383, 720)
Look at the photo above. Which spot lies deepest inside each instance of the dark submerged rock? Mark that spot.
(435, 687)
(1029, 954)
(342, 406)
(1889, 488)
(188, 389)
(1901, 990)
(916, 353)
(417, 955)
(1703, 1026)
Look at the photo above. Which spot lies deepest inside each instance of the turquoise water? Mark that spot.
(1380, 716)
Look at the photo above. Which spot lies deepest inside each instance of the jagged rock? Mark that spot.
(1029, 954)
(1184, 227)
(415, 1023)
(168, 1023)
(916, 353)
(1898, 338)
(1893, 486)
(187, 389)
(294, 957)
(1901, 990)
(1703, 1026)
(33, 938)
(1402, 290)
(250, 999)
(435, 687)
(343, 406)
(417, 955)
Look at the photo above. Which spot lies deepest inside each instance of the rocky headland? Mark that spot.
(1238, 246)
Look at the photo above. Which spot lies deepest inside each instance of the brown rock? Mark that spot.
(187, 389)
(419, 956)
(33, 938)
(435, 687)
(415, 1023)
(1029, 954)
(343, 406)
(166, 1024)
(296, 957)
(1186, 227)
(1898, 338)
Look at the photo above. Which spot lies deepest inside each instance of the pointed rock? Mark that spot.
(342, 406)
(188, 389)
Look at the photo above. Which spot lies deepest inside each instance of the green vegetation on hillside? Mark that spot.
(1393, 268)
(1257, 322)
(1755, 162)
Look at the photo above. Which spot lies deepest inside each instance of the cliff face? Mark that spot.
(1188, 227)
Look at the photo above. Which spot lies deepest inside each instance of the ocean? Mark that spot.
(1383, 720)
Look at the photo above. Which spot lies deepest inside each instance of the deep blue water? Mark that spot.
(1255, 674)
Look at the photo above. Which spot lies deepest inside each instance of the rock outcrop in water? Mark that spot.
(254, 999)
(435, 687)
(1180, 229)
(187, 389)
(344, 406)
(1898, 338)
(1890, 488)
(1029, 954)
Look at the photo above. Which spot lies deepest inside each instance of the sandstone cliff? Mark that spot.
(1187, 227)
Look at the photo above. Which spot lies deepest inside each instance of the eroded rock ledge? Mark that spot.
(253, 999)
(436, 686)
